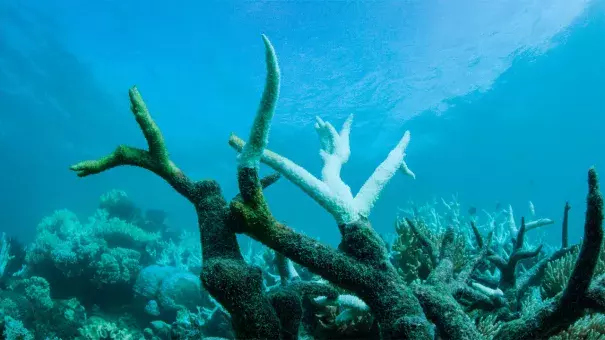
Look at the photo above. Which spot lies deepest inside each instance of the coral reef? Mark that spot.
(443, 276)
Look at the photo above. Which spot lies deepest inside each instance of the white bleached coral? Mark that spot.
(330, 191)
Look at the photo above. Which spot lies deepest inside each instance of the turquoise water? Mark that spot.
(504, 102)
(517, 114)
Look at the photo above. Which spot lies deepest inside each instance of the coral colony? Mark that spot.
(123, 274)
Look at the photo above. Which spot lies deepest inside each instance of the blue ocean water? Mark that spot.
(503, 106)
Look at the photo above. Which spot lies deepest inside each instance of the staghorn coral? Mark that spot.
(331, 192)
(234, 283)
(412, 260)
(488, 326)
(557, 272)
(590, 327)
(361, 264)
(416, 249)
(508, 266)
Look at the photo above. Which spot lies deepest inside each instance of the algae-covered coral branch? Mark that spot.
(361, 264)
(155, 159)
(234, 283)
(571, 304)
(440, 292)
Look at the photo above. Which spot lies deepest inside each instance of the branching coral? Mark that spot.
(361, 265)
(508, 266)
(234, 283)
(417, 249)
(590, 327)
(580, 291)
(408, 255)
(488, 326)
(440, 292)
(557, 272)
(331, 192)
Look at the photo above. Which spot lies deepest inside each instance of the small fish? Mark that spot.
(472, 211)
(498, 206)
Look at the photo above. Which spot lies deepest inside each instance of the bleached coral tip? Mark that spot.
(407, 171)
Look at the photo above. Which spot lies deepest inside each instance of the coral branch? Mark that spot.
(152, 133)
(286, 270)
(478, 237)
(565, 226)
(155, 159)
(538, 223)
(508, 267)
(579, 294)
(439, 293)
(371, 189)
(591, 245)
(533, 276)
(287, 301)
(450, 319)
(259, 136)
(425, 242)
(361, 267)
(595, 297)
(312, 186)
